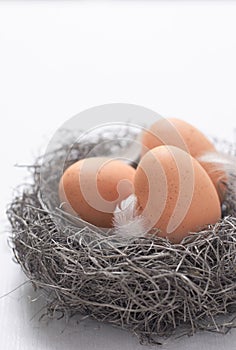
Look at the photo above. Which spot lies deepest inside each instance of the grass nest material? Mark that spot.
(147, 284)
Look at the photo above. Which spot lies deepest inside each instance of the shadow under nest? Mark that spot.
(146, 285)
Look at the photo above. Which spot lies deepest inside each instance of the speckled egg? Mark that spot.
(174, 193)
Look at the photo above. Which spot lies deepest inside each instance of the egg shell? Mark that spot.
(174, 193)
(93, 187)
(176, 132)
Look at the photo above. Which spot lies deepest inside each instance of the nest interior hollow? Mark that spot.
(147, 284)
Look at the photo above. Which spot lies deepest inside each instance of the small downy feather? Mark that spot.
(220, 161)
(126, 220)
(226, 162)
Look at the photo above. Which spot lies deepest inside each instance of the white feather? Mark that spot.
(126, 220)
(220, 161)
(226, 162)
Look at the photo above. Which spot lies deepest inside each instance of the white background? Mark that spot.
(58, 58)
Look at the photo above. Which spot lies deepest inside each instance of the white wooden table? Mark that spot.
(58, 58)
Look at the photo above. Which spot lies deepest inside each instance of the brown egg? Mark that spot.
(174, 193)
(93, 187)
(175, 132)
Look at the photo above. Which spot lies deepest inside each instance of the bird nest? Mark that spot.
(144, 284)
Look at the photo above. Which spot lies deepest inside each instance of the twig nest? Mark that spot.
(144, 283)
